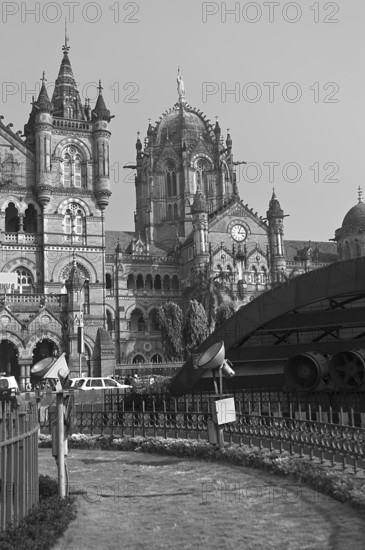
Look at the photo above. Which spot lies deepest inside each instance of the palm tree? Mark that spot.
(209, 289)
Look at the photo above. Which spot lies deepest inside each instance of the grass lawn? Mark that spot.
(130, 500)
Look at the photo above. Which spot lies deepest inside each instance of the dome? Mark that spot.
(355, 218)
(183, 123)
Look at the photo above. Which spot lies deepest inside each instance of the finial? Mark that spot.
(359, 190)
(43, 79)
(228, 130)
(138, 134)
(216, 118)
(180, 87)
(149, 120)
(66, 47)
(100, 88)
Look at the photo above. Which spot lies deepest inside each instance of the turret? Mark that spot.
(43, 126)
(275, 217)
(101, 117)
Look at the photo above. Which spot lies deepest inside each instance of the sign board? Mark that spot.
(224, 411)
(8, 281)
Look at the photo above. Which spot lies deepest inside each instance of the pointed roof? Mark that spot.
(100, 111)
(275, 209)
(66, 98)
(43, 102)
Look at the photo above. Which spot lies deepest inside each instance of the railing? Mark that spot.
(31, 298)
(148, 369)
(23, 238)
(333, 435)
(18, 461)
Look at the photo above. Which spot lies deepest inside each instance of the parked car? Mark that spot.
(74, 382)
(100, 384)
(8, 386)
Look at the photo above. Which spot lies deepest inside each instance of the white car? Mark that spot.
(99, 384)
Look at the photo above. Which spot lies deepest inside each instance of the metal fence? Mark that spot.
(331, 434)
(18, 460)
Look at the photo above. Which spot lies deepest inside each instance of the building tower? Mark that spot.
(70, 142)
(183, 150)
(275, 218)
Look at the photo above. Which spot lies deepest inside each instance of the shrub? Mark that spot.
(48, 487)
(44, 524)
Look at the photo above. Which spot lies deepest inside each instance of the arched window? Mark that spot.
(169, 212)
(253, 275)
(153, 323)
(138, 359)
(157, 283)
(30, 220)
(130, 282)
(175, 283)
(166, 283)
(25, 281)
(72, 168)
(74, 220)
(141, 324)
(263, 276)
(66, 170)
(156, 358)
(176, 212)
(11, 218)
(171, 186)
(149, 282)
(140, 283)
(137, 323)
(77, 171)
(357, 248)
(202, 176)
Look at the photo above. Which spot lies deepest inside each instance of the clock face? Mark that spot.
(238, 232)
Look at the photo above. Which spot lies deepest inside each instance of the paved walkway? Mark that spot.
(129, 500)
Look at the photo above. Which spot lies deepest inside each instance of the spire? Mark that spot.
(66, 47)
(217, 129)
(275, 210)
(66, 98)
(359, 190)
(138, 143)
(228, 140)
(43, 102)
(100, 112)
(180, 87)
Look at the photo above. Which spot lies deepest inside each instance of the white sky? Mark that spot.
(136, 47)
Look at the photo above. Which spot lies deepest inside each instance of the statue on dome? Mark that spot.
(180, 86)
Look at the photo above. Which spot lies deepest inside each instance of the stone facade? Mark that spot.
(190, 226)
(54, 188)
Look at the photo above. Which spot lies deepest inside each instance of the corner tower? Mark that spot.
(70, 142)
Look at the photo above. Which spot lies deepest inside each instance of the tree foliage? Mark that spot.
(170, 321)
(195, 329)
(209, 290)
(224, 312)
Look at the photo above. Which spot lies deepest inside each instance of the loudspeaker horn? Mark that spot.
(213, 357)
(51, 367)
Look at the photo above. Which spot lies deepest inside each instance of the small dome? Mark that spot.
(355, 218)
(182, 122)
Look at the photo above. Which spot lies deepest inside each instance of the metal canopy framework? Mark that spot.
(321, 311)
